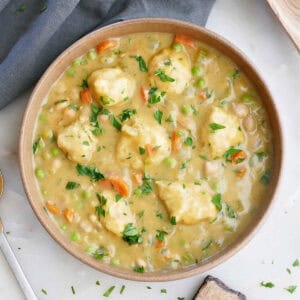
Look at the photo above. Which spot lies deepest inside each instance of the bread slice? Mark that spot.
(214, 289)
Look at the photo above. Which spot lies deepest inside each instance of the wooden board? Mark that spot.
(288, 13)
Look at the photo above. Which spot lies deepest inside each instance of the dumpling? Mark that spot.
(220, 139)
(149, 136)
(77, 141)
(110, 86)
(175, 65)
(117, 214)
(188, 202)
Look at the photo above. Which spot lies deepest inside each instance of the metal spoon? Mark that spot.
(12, 261)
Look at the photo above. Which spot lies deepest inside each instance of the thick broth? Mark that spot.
(237, 186)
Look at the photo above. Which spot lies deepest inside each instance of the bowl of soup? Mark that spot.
(151, 149)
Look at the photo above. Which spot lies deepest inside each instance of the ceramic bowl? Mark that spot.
(81, 47)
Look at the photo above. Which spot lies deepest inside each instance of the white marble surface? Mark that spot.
(251, 26)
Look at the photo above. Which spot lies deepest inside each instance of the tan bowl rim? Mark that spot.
(226, 253)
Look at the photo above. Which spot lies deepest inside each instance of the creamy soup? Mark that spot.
(152, 152)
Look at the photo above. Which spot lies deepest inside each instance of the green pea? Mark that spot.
(92, 54)
(200, 83)
(76, 62)
(86, 195)
(71, 72)
(63, 227)
(39, 173)
(186, 109)
(47, 134)
(247, 98)
(170, 162)
(75, 236)
(177, 47)
(196, 71)
(115, 262)
(54, 152)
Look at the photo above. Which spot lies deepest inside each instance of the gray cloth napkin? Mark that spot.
(35, 32)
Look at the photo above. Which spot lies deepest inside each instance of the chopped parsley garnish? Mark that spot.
(131, 235)
(141, 213)
(37, 144)
(114, 122)
(265, 178)
(215, 126)
(122, 289)
(288, 270)
(99, 254)
(84, 84)
(163, 76)
(173, 220)
(230, 153)
(158, 114)
(161, 235)
(207, 245)
(97, 282)
(60, 101)
(73, 107)
(142, 63)
(296, 263)
(291, 289)
(188, 141)
(203, 157)
(127, 114)
(140, 269)
(159, 214)
(149, 287)
(105, 100)
(86, 143)
(235, 74)
(21, 8)
(216, 200)
(230, 212)
(43, 8)
(169, 119)
(71, 185)
(44, 291)
(73, 290)
(90, 171)
(146, 188)
(100, 211)
(155, 96)
(163, 291)
(142, 150)
(180, 298)
(109, 291)
(95, 111)
(118, 197)
(267, 284)
(260, 155)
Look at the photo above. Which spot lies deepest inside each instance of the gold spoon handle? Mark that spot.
(15, 267)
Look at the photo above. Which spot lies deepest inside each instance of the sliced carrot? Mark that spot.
(185, 40)
(85, 96)
(52, 208)
(119, 185)
(159, 244)
(105, 45)
(144, 94)
(202, 95)
(238, 157)
(69, 215)
(241, 172)
(138, 178)
(175, 140)
(150, 150)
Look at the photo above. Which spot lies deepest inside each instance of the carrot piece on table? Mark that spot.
(238, 157)
(241, 172)
(119, 185)
(175, 141)
(85, 96)
(185, 40)
(52, 208)
(105, 45)
(144, 94)
(159, 244)
(69, 215)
